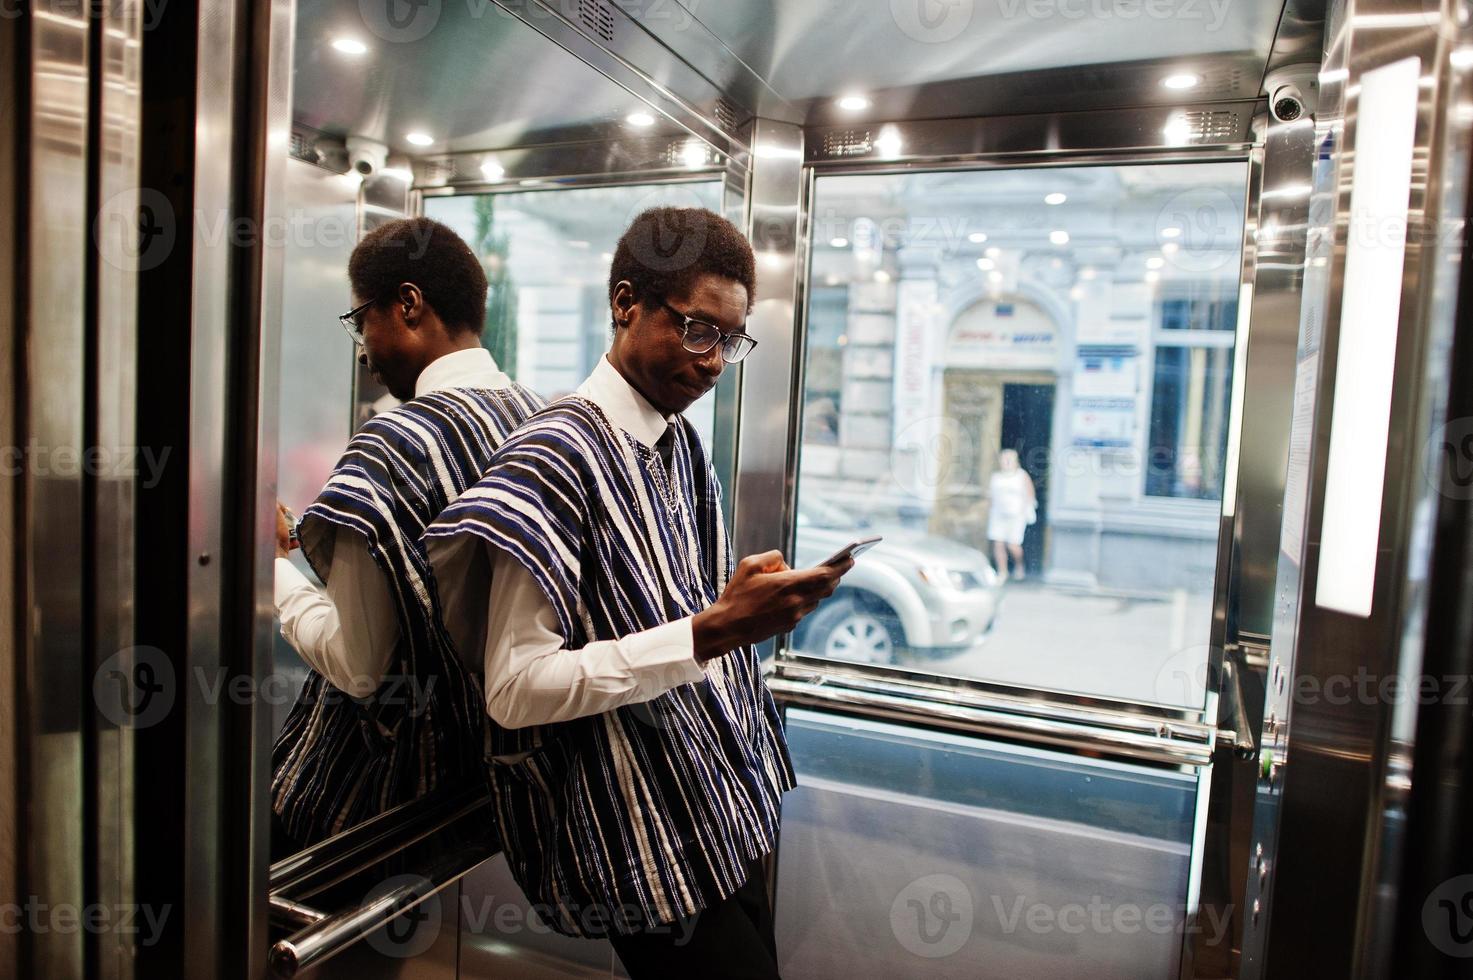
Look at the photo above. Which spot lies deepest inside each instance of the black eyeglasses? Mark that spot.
(698, 337)
(350, 323)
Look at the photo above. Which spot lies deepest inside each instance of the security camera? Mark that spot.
(1293, 92)
(367, 156)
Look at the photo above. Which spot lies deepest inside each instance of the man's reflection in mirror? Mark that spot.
(388, 713)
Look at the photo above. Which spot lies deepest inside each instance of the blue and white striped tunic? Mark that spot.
(337, 760)
(649, 812)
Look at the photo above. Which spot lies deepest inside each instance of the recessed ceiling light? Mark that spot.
(1055, 198)
(348, 45)
(992, 252)
(694, 154)
(1171, 231)
(839, 241)
(977, 237)
(1059, 237)
(492, 170)
(1170, 248)
(1178, 130)
(994, 277)
(881, 275)
(640, 119)
(986, 265)
(1182, 80)
(1076, 293)
(419, 139)
(1087, 273)
(1155, 262)
(889, 142)
(1461, 57)
(1153, 276)
(854, 103)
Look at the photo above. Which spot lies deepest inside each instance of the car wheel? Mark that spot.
(845, 630)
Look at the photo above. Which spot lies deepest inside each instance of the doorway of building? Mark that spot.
(1027, 426)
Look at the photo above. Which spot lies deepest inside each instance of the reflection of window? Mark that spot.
(1199, 313)
(1189, 421)
(824, 385)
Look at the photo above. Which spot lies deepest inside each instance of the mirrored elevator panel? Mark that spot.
(1023, 380)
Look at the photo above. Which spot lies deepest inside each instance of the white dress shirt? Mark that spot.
(348, 633)
(531, 679)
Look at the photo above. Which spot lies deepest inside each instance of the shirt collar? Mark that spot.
(623, 404)
(473, 367)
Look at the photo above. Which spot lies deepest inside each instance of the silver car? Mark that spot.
(912, 594)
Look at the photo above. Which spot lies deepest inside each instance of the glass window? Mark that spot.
(547, 255)
(1021, 379)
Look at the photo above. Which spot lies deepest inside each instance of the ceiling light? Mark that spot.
(1055, 198)
(1076, 293)
(889, 142)
(1178, 130)
(994, 276)
(854, 103)
(1461, 57)
(1152, 276)
(839, 241)
(492, 170)
(606, 256)
(1171, 231)
(1155, 262)
(993, 252)
(1059, 237)
(881, 275)
(419, 139)
(1170, 248)
(694, 154)
(640, 119)
(1181, 81)
(348, 45)
(1087, 273)
(977, 237)
(986, 265)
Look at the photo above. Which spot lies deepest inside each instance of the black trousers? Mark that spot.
(731, 940)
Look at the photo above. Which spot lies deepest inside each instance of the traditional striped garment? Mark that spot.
(338, 760)
(649, 812)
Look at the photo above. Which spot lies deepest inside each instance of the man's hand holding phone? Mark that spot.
(765, 597)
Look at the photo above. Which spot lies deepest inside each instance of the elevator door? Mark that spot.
(1006, 775)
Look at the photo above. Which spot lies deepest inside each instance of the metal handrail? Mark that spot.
(334, 933)
(1168, 742)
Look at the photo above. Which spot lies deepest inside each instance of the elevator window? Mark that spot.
(1022, 380)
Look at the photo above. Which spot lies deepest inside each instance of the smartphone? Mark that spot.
(851, 550)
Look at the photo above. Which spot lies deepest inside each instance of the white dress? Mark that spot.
(1007, 518)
